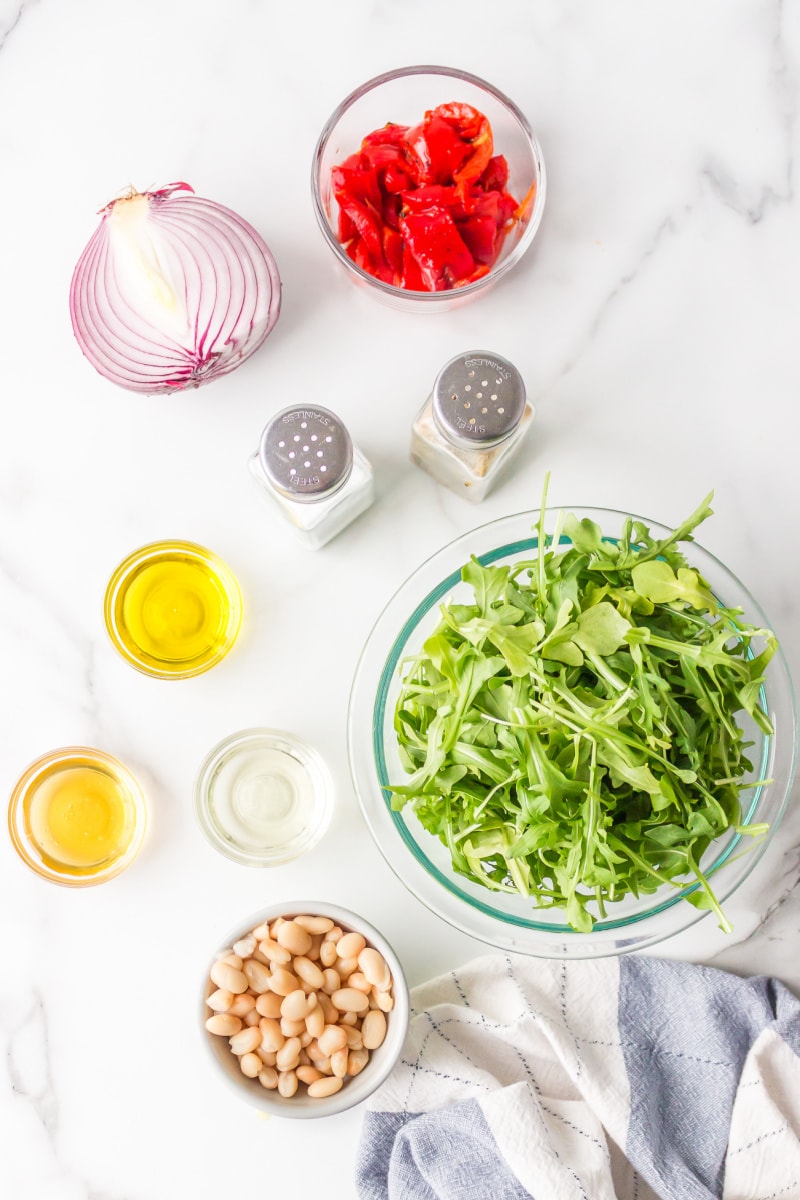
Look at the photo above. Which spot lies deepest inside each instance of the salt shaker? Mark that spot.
(472, 423)
(308, 466)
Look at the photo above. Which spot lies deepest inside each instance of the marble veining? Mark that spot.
(655, 324)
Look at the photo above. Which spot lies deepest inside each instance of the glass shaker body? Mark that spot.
(307, 465)
(472, 423)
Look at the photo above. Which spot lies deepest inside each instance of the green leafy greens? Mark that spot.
(571, 735)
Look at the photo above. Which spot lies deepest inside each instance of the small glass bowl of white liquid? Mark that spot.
(263, 797)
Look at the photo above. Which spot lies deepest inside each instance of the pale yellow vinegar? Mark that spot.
(79, 817)
(173, 609)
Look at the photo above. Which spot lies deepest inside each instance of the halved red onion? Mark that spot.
(172, 291)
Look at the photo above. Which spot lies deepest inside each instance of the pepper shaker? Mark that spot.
(307, 465)
(472, 423)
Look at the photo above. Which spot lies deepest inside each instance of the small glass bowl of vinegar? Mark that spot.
(77, 816)
(173, 609)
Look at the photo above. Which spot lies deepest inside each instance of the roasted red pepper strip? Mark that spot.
(425, 207)
(438, 249)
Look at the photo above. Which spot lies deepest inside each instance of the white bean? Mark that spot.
(223, 1024)
(324, 1087)
(246, 1040)
(227, 977)
(294, 938)
(350, 945)
(349, 999)
(373, 1029)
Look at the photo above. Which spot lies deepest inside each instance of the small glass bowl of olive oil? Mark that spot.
(77, 816)
(173, 609)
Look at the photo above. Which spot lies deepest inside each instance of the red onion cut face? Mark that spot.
(172, 291)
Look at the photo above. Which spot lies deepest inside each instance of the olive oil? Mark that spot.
(77, 816)
(173, 609)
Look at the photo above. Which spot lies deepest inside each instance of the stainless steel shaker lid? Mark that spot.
(306, 453)
(478, 399)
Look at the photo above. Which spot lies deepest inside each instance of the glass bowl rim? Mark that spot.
(500, 267)
(787, 744)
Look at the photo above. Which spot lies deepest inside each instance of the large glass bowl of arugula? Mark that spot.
(574, 754)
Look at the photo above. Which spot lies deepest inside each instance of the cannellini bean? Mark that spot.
(245, 946)
(268, 1078)
(220, 1000)
(315, 1021)
(251, 1065)
(384, 1001)
(246, 1040)
(288, 1054)
(331, 981)
(223, 1024)
(295, 1006)
(227, 977)
(287, 1084)
(375, 967)
(339, 1062)
(272, 1036)
(327, 953)
(275, 926)
(242, 1004)
(357, 1060)
(258, 976)
(233, 960)
(269, 1004)
(348, 1018)
(350, 945)
(349, 999)
(373, 1029)
(359, 980)
(305, 1038)
(314, 924)
(316, 1055)
(316, 942)
(354, 1039)
(267, 1057)
(334, 934)
(294, 938)
(283, 981)
(331, 1014)
(308, 1074)
(332, 1038)
(274, 952)
(292, 1028)
(308, 971)
(346, 966)
(251, 1017)
(324, 1087)
(261, 931)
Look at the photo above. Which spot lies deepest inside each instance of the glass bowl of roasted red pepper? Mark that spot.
(428, 186)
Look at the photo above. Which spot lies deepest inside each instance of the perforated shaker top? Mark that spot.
(478, 399)
(306, 453)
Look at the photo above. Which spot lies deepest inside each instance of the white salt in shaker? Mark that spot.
(307, 465)
(472, 423)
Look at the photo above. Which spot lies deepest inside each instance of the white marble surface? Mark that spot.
(655, 322)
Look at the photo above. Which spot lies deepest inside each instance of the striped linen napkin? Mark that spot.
(620, 1079)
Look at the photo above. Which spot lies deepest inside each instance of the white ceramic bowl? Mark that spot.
(356, 1088)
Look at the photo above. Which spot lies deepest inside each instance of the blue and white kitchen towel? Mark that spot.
(621, 1079)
